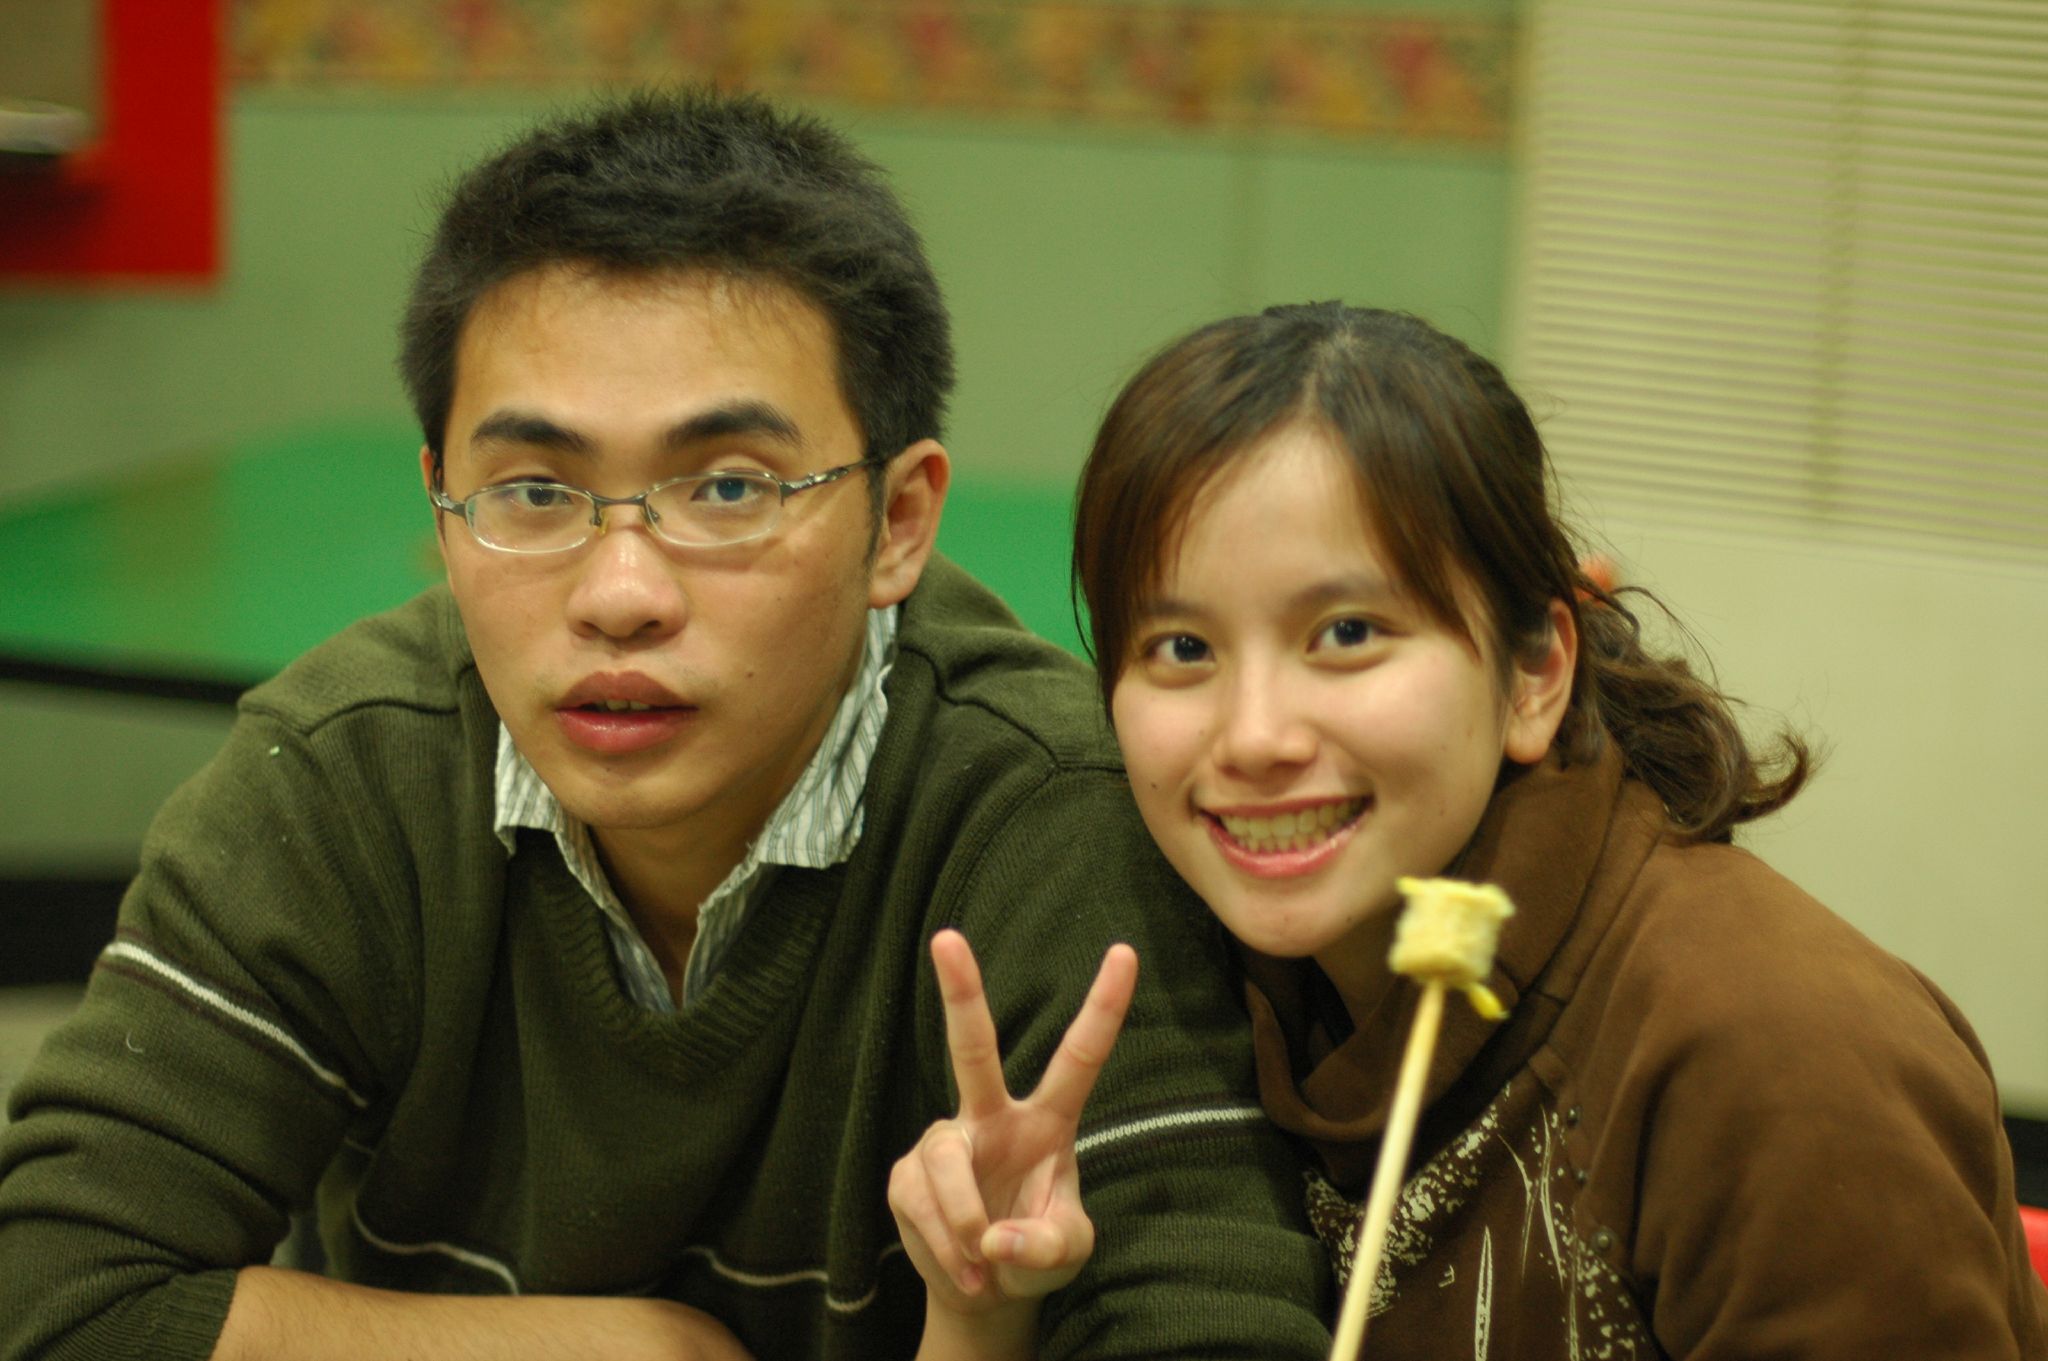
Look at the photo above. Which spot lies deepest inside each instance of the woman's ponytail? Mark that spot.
(1676, 730)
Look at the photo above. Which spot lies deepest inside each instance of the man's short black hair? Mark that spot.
(696, 179)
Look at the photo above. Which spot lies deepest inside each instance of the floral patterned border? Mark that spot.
(1336, 72)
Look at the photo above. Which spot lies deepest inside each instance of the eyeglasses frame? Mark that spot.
(599, 503)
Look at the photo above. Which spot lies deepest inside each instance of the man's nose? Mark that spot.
(627, 585)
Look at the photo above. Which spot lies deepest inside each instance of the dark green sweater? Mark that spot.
(329, 972)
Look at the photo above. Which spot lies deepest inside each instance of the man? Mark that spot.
(563, 929)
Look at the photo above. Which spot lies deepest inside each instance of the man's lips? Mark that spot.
(616, 713)
(615, 689)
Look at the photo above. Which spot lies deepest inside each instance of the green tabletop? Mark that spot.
(229, 563)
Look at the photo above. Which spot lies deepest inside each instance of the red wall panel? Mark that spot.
(142, 204)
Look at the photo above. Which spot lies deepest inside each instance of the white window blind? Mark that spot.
(1786, 262)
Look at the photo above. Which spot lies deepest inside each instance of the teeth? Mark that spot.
(621, 706)
(1296, 831)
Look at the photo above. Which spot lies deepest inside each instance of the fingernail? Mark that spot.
(970, 1280)
(1009, 1243)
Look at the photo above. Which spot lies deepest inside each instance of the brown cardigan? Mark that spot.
(1718, 1122)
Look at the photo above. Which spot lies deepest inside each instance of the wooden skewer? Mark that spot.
(1391, 1171)
(1445, 937)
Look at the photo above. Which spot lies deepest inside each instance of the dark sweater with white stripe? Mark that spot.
(330, 973)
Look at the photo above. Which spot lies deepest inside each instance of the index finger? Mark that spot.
(970, 1031)
(1091, 1035)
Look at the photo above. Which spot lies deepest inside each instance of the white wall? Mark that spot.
(82, 774)
(1928, 824)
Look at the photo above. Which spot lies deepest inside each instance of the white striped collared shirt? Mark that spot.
(817, 824)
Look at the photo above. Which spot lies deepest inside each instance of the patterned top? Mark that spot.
(817, 824)
(1530, 1263)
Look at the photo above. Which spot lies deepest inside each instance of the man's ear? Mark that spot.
(428, 480)
(1542, 691)
(914, 494)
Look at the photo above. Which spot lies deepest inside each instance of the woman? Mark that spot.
(1342, 639)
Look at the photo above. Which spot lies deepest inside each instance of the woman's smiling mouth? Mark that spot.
(1298, 829)
(1286, 844)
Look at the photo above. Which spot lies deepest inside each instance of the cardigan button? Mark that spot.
(1571, 1117)
(1602, 1240)
(1579, 1175)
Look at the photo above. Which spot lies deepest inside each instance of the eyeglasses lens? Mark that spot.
(725, 508)
(530, 517)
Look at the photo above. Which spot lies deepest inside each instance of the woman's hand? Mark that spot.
(989, 1202)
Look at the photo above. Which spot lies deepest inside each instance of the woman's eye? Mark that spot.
(1181, 649)
(1346, 633)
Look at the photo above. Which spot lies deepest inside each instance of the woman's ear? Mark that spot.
(1542, 690)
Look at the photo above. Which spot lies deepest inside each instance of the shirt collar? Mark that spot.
(817, 824)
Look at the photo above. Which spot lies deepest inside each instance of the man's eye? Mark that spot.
(537, 496)
(1346, 633)
(729, 491)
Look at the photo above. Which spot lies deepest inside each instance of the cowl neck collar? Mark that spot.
(1564, 843)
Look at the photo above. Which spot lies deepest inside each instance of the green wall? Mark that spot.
(1067, 254)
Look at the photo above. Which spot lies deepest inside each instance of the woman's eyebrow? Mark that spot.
(1366, 587)
(1353, 588)
(1164, 606)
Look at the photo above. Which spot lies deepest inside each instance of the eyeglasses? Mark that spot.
(701, 511)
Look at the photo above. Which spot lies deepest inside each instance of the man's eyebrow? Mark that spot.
(524, 427)
(535, 431)
(734, 418)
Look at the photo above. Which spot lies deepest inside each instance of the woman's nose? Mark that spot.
(1265, 726)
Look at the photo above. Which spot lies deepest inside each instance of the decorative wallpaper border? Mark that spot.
(1241, 66)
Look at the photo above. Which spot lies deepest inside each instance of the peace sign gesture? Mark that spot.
(989, 1202)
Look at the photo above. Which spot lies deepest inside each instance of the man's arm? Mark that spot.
(167, 1128)
(289, 1314)
(252, 1006)
(255, 1005)
(1202, 1246)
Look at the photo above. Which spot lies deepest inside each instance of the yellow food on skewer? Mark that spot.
(1447, 934)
